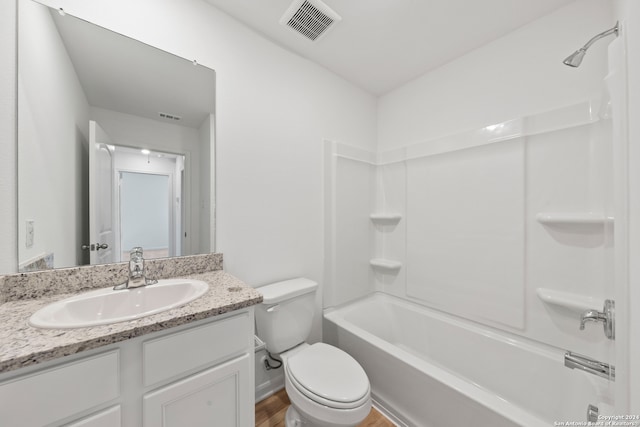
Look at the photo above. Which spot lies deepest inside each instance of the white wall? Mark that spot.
(628, 11)
(8, 147)
(207, 173)
(633, 72)
(53, 148)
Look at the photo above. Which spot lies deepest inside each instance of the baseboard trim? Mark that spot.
(387, 412)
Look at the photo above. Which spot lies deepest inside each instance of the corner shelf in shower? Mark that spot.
(581, 218)
(385, 218)
(385, 265)
(574, 302)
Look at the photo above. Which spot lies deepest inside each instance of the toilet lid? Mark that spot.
(326, 373)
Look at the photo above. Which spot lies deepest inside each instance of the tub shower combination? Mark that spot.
(482, 278)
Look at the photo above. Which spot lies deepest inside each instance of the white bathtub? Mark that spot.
(430, 369)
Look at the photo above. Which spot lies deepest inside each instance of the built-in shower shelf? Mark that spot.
(385, 264)
(580, 218)
(574, 302)
(386, 218)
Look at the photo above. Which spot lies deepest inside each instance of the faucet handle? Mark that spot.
(606, 316)
(137, 250)
(135, 254)
(592, 315)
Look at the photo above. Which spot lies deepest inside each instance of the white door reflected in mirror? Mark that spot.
(100, 195)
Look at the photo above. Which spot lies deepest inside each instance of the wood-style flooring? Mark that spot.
(270, 413)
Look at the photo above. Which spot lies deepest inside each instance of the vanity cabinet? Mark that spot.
(200, 374)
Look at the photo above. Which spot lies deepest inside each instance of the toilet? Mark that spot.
(326, 386)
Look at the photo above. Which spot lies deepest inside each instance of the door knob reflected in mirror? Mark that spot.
(95, 247)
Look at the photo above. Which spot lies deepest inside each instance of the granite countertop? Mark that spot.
(22, 345)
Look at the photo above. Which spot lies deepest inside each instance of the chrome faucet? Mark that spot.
(606, 316)
(137, 274)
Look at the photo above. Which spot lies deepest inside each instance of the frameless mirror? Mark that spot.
(115, 145)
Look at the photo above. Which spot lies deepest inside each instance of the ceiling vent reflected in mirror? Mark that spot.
(169, 116)
(310, 18)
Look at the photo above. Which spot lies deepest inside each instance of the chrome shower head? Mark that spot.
(575, 59)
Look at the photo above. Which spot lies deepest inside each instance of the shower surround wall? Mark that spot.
(471, 214)
(493, 224)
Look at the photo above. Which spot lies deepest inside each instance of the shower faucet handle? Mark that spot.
(606, 316)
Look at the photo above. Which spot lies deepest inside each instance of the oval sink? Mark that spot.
(104, 306)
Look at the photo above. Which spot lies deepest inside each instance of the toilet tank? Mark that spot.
(283, 320)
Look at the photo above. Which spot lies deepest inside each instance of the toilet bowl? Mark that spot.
(326, 386)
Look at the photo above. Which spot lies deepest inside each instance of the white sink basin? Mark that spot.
(105, 306)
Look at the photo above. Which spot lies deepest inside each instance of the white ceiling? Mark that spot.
(382, 44)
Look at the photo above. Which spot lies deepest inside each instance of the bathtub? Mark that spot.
(430, 369)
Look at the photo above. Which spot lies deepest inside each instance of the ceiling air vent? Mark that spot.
(310, 18)
(169, 116)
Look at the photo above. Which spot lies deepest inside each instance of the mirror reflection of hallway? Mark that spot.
(149, 202)
(140, 95)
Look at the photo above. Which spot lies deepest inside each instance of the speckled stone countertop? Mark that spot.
(22, 345)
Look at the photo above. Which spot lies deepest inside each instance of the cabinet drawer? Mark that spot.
(46, 396)
(174, 354)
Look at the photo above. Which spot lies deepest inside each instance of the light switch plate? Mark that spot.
(30, 233)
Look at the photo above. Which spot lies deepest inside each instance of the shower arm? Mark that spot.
(597, 37)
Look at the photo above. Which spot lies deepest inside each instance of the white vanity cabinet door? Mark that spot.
(60, 392)
(219, 396)
(108, 418)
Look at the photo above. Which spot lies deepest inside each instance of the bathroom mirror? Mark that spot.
(113, 135)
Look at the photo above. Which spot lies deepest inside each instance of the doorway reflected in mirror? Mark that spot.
(149, 202)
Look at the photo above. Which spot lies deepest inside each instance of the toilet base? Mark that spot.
(305, 413)
(292, 418)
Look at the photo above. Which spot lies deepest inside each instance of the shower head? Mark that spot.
(575, 59)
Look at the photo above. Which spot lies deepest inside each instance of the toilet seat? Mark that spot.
(328, 376)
